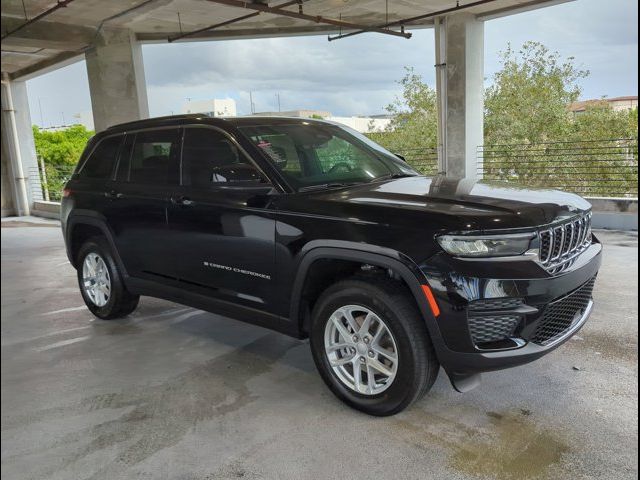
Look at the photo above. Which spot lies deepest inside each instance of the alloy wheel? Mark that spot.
(95, 279)
(361, 349)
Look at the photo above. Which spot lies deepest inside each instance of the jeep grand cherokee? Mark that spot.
(311, 229)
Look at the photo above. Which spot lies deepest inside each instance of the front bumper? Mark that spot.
(459, 284)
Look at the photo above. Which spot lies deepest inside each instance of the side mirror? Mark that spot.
(235, 173)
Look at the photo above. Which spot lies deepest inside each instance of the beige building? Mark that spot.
(361, 124)
(217, 107)
(296, 113)
(616, 103)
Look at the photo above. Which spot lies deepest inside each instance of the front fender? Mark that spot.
(367, 254)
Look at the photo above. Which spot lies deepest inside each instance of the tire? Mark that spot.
(417, 366)
(118, 302)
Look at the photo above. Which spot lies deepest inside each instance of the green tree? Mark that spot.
(531, 136)
(599, 121)
(60, 150)
(527, 101)
(612, 166)
(61, 147)
(413, 130)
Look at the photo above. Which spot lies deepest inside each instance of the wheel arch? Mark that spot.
(89, 222)
(362, 254)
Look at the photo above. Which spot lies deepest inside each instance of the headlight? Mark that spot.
(486, 245)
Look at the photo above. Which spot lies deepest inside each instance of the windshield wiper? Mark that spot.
(324, 186)
(395, 175)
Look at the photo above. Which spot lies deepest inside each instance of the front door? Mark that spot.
(220, 221)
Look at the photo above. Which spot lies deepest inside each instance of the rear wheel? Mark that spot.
(371, 345)
(100, 281)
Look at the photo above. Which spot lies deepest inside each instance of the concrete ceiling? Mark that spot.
(68, 32)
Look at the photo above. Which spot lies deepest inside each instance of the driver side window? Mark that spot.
(209, 158)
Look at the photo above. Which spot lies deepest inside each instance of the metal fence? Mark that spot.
(594, 168)
(425, 160)
(47, 181)
(591, 168)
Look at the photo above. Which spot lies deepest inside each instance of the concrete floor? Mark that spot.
(173, 392)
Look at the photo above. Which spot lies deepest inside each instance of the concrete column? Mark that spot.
(8, 191)
(460, 59)
(116, 79)
(19, 160)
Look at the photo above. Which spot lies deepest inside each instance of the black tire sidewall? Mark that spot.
(407, 380)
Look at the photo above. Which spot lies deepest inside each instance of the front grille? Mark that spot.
(560, 245)
(492, 328)
(559, 316)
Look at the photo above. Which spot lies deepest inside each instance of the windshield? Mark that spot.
(314, 154)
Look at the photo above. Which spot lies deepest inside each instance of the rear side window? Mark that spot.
(154, 157)
(99, 165)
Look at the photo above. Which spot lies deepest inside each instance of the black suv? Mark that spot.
(311, 229)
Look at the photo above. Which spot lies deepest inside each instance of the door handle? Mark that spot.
(185, 201)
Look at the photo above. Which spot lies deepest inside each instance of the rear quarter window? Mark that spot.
(101, 160)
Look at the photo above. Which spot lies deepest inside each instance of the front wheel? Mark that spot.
(371, 345)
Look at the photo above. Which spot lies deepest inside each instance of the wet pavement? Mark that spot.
(175, 393)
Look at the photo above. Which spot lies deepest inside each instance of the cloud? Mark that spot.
(351, 76)
(601, 36)
(58, 95)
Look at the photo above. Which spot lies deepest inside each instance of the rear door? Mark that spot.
(93, 180)
(221, 223)
(147, 173)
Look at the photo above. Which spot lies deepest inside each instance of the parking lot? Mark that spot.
(173, 392)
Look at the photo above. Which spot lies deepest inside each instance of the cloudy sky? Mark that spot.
(354, 76)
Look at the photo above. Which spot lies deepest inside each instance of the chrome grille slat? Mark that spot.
(557, 250)
(561, 244)
(552, 242)
(585, 228)
(580, 231)
(572, 227)
(563, 233)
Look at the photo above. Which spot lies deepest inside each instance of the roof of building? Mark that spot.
(582, 105)
(38, 35)
(623, 99)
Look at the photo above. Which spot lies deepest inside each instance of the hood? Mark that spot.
(454, 203)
